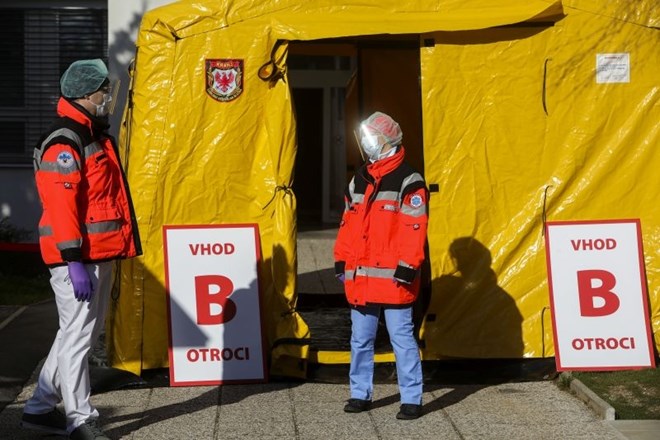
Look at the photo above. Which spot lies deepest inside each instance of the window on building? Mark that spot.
(36, 46)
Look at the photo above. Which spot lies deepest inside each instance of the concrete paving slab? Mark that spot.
(434, 424)
(200, 424)
(327, 420)
(138, 398)
(256, 394)
(257, 411)
(257, 421)
(316, 274)
(120, 421)
(637, 429)
(321, 392)
(516, 410)
(16, 365)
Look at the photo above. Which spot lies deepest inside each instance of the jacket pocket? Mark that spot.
(102, 219)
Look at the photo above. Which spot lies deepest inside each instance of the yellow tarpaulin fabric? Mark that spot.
(524, 133)
(515, 131)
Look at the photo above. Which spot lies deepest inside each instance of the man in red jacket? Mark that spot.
(378, 255)
(87, 222)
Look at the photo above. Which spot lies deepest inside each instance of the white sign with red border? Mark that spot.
(598, 295)
(213, 304)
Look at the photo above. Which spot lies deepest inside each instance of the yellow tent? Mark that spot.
(516, 130)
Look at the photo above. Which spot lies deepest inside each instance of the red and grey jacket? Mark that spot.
(380, 245)
(87, 210)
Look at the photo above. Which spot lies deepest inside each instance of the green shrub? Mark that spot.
(12, 234)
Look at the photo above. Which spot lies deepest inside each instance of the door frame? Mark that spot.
(325, 80)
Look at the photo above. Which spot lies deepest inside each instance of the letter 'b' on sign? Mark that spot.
(205, 299)
(587, 291)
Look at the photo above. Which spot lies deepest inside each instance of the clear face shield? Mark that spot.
(110, 97)
(371, 143)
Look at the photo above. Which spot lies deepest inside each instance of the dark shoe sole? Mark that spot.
(402, 416)
(354, 410)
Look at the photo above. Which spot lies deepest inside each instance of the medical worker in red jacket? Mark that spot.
(87, 222)
(378, 255)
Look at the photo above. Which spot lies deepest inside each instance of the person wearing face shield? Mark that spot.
(378, 255)
(87, 221)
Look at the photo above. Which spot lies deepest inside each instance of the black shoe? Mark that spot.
(357, 405)
(90, 430)
(409, 411)
(53, 422)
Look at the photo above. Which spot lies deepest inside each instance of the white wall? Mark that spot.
(124, 17)
(18, 194)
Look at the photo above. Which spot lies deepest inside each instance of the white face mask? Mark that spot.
(371, 145)
(103, 109)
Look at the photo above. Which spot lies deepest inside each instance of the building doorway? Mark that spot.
(335, 84)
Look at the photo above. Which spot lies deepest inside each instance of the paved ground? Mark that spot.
(289, 410)
(456, 405)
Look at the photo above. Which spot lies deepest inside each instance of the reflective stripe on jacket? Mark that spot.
(380, 244)
(87, 211)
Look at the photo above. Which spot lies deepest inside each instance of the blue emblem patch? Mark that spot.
(416, 201)
(65, 160)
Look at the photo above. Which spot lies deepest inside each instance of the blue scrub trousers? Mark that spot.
(406, 351)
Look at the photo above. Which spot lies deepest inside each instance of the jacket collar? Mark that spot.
(385, 166)
(69, 109)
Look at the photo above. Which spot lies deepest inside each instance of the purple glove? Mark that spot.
(341, 277)
(82, 284)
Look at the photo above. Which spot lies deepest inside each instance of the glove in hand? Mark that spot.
(82, 284)
(341, 277)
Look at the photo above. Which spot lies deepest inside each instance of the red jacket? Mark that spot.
(87, 211)
(380, 245)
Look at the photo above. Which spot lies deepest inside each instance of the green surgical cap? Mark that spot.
(83, 77)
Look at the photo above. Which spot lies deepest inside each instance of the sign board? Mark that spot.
(612, 68)
(598, 295)
(213, 304)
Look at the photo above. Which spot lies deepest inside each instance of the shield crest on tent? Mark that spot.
(224, 79)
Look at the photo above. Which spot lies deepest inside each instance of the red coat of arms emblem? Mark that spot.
(224, 79)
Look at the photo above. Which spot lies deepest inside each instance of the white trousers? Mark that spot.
(65, 374)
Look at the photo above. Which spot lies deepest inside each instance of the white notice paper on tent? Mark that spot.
(612, 68)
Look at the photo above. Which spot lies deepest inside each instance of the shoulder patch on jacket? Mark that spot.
(65, 160)
(416, 201)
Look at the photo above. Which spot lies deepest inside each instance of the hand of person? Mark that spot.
(82, 283)
(341, 277)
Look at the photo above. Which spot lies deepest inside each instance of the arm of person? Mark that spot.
(60, 185)
(411, 237)
(342, 247)
(59, 181)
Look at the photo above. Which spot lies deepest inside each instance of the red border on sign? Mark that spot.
(642, 275)
(173, 381)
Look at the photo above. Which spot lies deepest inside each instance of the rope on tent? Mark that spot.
(275, 68)
(545, 78)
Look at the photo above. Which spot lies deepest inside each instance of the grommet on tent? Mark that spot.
(275, 68)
